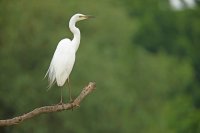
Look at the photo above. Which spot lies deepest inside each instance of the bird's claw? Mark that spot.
(60, 103)
(71, 100)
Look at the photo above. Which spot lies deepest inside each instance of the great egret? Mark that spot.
(64, 56)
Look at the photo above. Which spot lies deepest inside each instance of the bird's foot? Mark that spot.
(61, 102)
(71, 100)
(73, 103)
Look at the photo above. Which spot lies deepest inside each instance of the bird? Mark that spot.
(64, 56)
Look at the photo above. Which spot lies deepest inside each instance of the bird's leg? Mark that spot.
(70, 97)
(61, 102)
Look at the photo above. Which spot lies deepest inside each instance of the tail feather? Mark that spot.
(51, 77)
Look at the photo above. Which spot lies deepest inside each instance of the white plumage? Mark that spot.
(64, 56)
(62, 63)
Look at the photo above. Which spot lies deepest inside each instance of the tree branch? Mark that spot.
(49, 109)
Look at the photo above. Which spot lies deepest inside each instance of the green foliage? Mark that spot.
(142, 55)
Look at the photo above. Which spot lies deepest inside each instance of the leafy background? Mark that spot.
(143, 55)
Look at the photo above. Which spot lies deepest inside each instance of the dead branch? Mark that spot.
(49, 109)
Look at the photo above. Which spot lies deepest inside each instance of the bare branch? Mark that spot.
(49, 109)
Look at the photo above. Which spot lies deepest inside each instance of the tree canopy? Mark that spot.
(143, 56)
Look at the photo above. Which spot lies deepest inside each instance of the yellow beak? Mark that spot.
(88, 16)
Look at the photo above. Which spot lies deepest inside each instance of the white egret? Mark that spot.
(64, 56)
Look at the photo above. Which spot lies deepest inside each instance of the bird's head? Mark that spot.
(79, 17)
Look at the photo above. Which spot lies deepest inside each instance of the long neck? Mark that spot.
(76, 32)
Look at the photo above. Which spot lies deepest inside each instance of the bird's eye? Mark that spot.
(80, 16)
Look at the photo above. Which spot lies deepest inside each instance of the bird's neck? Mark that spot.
(76, 32)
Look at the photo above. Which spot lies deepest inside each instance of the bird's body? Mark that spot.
(62, 62)
(64, 56)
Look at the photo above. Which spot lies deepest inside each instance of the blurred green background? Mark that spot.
(143, 55)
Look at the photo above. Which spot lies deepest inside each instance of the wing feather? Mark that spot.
(62, 63)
